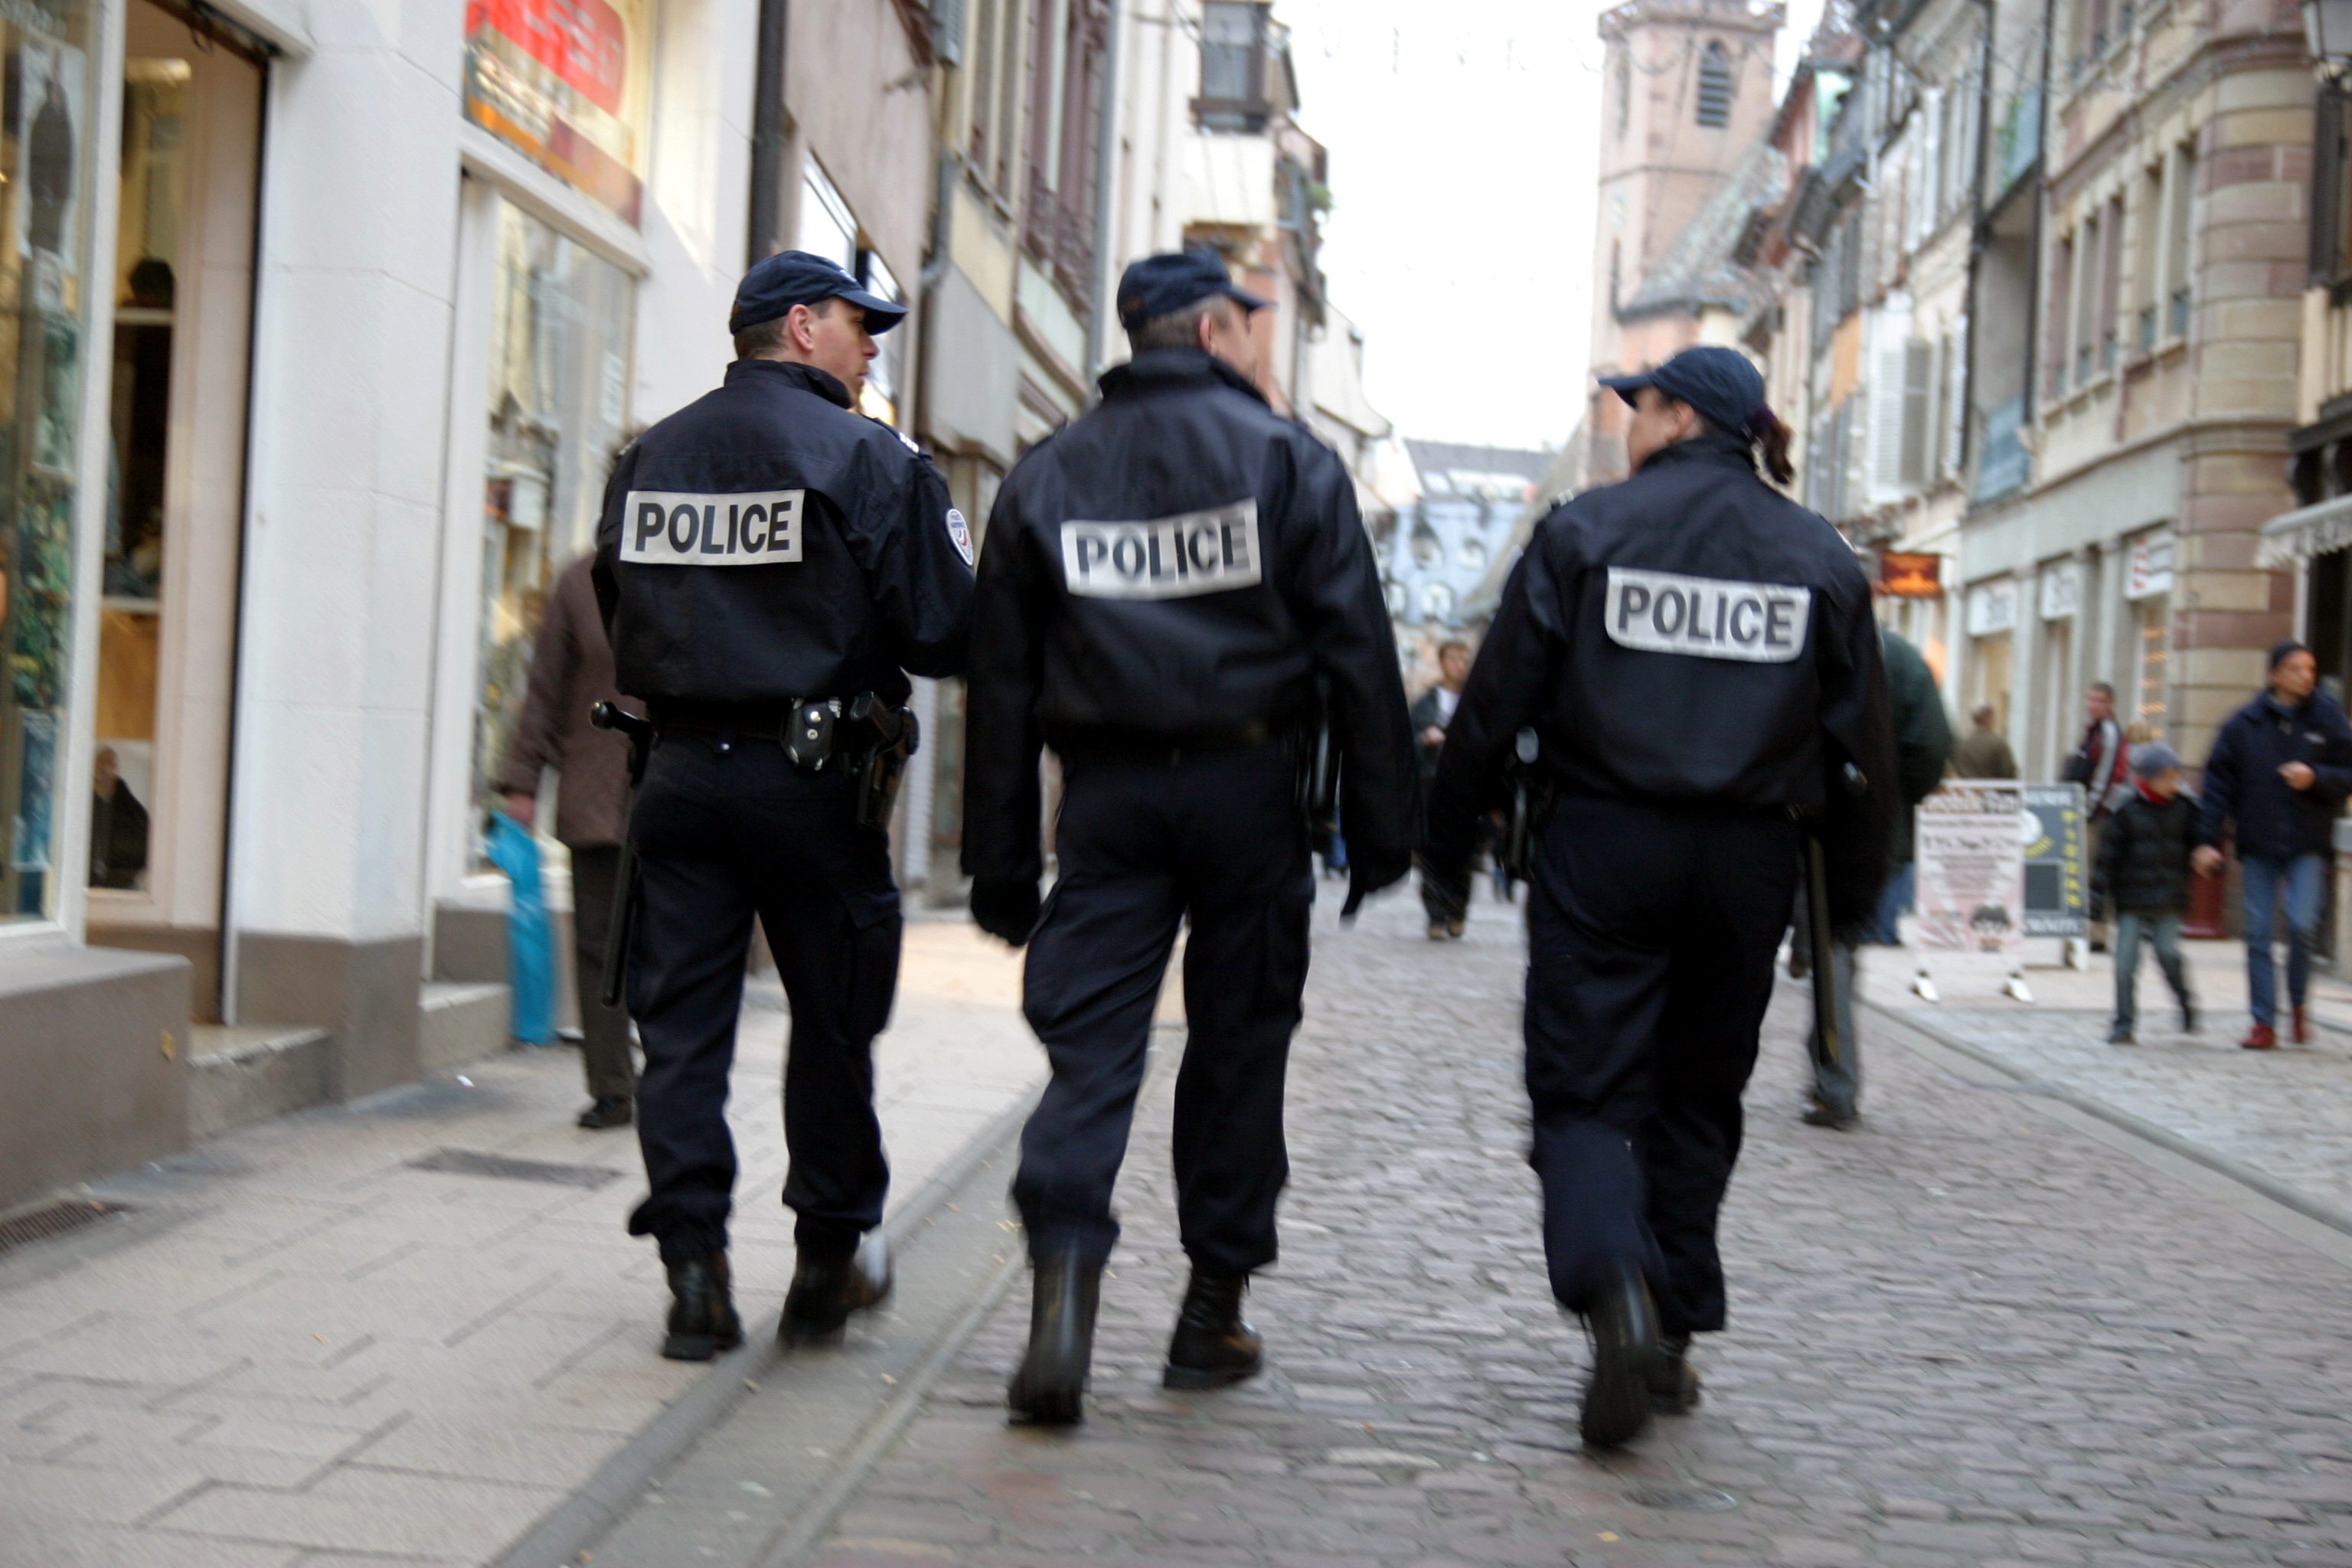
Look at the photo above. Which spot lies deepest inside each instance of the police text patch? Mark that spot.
(1167, 557)
(1661, 612)
(671, 528)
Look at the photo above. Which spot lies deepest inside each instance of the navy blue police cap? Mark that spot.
(777, 283)
(1159, 285)
(1720, 383)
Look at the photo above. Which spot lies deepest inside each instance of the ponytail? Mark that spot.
(1771, 440)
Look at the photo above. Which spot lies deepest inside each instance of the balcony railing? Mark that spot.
(2005, 465)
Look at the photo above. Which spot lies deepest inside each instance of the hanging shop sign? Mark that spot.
(1911, 574)
(2149, 568)
(2061, 592)
(1992, 608)
(566, 81)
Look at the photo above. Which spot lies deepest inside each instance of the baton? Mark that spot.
(1829, 1044)
(624, 918)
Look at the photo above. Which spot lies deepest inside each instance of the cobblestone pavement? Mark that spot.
(302, 1349)
(1969, 1334)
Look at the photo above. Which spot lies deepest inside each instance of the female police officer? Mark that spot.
(1696, 655)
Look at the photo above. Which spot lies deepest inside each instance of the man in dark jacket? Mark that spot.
(2143, 868)
(2279, 772)
(1433, 711)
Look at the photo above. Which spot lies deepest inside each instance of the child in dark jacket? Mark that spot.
(2144, 868)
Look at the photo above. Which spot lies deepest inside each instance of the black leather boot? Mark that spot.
(1673, 1386)
(1623, 1325)
(702, 1321)
(1214, 1345)
(828, 1287)
(1050, 1386)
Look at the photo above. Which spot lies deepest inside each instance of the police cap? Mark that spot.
(1161, 285)
(1720, 383)
(777, 283)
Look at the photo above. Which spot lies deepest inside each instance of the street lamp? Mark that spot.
(2327, 27)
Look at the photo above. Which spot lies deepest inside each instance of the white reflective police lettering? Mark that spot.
(1707, 617)
(1211, 551)
(672, 528)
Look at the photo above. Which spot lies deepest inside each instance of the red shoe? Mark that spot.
(2302, 1029)
(2260, 1038)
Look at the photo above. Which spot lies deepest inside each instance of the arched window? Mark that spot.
(1426, 548)
(1714, 87)
(1437, 601)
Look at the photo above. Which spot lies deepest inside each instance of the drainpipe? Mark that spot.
(1106, 186)
(1977, 243)
(765, 229)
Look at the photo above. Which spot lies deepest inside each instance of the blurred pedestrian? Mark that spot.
(2277, 775)
(1923, 742)
(2143, 870)
(2101, 763)
(571, 672)
(1172, 660)
(1983, 753)
(1433, 711)
(771, 565)
(1697, 654)
(118, 825)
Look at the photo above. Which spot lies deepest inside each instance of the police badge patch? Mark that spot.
(961, 532)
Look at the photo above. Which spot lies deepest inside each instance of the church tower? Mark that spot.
(1687, 96)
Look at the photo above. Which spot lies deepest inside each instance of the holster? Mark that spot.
(622, 927)
(881, 739)
(1531, 793)
(1319, 771)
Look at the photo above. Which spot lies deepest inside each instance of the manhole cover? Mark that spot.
(466, 1162)
(1687, 1500)
(52, 1220)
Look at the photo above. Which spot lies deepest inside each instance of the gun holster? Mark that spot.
(1531, 806)
(1319, 770)
(881, 739)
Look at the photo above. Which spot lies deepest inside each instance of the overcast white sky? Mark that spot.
(1462, 136)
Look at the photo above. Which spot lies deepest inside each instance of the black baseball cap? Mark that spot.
(777, 283)
(1720, 383)
(1157, 285)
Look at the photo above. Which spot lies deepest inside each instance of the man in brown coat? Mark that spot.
(571, 672)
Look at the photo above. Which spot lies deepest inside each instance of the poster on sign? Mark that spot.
(565, 81)
(1971, 870)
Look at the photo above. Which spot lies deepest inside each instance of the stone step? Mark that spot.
(461, 1022)
(242, 1075)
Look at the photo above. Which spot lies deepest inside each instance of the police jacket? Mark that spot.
(1179, 565)
(765, 543)
(2274, 820)
(1688, 636)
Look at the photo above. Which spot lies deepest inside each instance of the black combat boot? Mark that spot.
(1214, 1345)
(1050, 1386)
(702, 1321)
(1623, 1325)
(829, 1286)
(1673, 1385)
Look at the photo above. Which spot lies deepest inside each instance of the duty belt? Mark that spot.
(802, 726)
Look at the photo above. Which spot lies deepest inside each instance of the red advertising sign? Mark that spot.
(565, 81)
(581, 41)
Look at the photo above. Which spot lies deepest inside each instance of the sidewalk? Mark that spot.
(300, 1347)
(2285, 1114)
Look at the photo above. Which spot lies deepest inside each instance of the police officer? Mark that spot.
(1696, 655)
(768, 557)
(1167, 583)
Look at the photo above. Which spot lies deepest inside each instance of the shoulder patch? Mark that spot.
(959, 533)
(1707, 618)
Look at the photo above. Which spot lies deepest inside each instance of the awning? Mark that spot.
(2294, 537)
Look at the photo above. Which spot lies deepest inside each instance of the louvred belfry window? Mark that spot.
(1714, 87)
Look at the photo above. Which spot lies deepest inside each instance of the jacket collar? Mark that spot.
(806, 377)
(1175, 367)
(1716, 447)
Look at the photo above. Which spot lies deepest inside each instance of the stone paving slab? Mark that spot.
(299, 1350)
(1967, 1334)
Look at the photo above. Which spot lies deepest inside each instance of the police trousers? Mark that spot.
(726, 830)
(1215, 836)
(1651, 935)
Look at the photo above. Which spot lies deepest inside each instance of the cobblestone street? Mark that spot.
(1972, 1333)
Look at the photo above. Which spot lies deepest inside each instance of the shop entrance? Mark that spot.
(181, 337)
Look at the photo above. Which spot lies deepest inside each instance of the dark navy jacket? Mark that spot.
(765, 543)
(2242, 784)
(1182, 562)
(1689, 637)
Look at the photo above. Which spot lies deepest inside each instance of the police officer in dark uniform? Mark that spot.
(770, 565)
(1696, 656)
(1168, 583)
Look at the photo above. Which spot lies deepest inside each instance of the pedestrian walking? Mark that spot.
(771, 565)
(2101, 763)
(2143, 870)
(1923, 742)
(1433, 711)
(571, 672)
(2277, 776)
(1983, 753)
(1167, 583)
(1697, 656)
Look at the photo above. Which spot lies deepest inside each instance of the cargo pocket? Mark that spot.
(874, 931)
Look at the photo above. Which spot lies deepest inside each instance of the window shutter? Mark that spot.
(1918, 397)
(947, 31)
(1956, 394)
(2326, 185)
(1931, 161)
(1889, 362)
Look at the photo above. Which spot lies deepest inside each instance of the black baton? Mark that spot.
(1829, 1044)
(620, 927)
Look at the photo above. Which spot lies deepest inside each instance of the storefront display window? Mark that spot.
(45, 158)
(558, 409)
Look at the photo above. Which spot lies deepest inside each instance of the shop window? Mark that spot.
(45, 207)
(559, 369)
